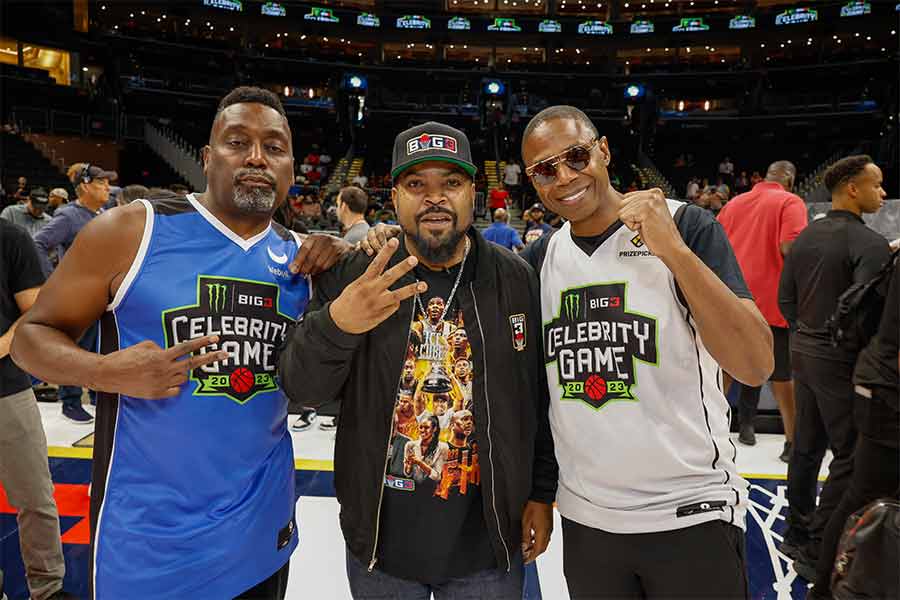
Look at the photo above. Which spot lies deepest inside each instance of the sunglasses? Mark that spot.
(576, 158)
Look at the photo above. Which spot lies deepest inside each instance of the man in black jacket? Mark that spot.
(827, 258)
(469, 505)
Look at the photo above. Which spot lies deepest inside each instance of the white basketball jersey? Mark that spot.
(639, 420)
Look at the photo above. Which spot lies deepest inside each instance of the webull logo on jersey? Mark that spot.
(595, 341)
(245, 317)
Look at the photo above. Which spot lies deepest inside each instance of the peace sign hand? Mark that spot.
(368, 301)
(147, 371)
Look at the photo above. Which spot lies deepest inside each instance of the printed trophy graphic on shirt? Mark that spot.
(244, 314)
(594, 342)
(432, 447)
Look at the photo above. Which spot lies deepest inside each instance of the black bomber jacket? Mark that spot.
(320, 363)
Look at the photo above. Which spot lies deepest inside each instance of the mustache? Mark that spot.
(435, 210)
(243, 173)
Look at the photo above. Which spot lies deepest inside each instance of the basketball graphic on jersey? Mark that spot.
(594, 341)
(595, 387)
(244, 314)
(241, 380)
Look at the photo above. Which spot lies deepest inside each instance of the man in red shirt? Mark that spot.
(761, 225)
(498, 198)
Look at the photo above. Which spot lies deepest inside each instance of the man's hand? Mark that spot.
(647, 213)
(537, 525)
(147, 371)
(367, 301)
(378, 236)
(318, 253)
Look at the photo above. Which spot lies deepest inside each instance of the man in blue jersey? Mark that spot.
(193, 482)
(501, 233)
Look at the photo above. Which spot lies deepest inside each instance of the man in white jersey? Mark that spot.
(640, 312)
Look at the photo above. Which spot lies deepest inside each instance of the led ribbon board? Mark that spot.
(595, 28)
(691, 24)
(642, 27)
(459, 24)
(793, 16)
(503, 24)
(742, 22)
(322, 15)
(413, 22)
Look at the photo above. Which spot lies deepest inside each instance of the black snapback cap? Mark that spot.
(432, 141)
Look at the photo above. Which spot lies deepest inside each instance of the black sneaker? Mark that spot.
(77, 414)
(328, 423)
(747, 435)
(805, 569)
(790, 549)
(305, 420)
(786, 453)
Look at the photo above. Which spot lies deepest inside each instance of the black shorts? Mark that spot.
(781, 336)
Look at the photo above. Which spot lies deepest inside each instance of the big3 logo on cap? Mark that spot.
(431, 141)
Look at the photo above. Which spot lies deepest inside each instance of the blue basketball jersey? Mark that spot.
(193, 496)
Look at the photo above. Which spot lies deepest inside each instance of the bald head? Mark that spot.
(561, 111)
(500, 216)
(782, 172)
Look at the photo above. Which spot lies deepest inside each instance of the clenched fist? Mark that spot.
(647, 212)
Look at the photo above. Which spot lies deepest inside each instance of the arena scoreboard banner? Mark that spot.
(742, 22)
(273, 9)
(642, 27)
(794, 16)
(691, 24)
(595, 28)
(856, 9)
(459, 24)
(232, 5)
(413, 22)
(550, 26)
(504, 24)
(368, 20)
(321, 15)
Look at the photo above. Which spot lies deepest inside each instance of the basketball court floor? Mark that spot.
(317, 567)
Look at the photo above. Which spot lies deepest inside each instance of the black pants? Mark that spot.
(824, 396)
(876, 474)
(703, 561)
(273, 588)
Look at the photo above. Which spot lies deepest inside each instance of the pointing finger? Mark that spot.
(189, 346)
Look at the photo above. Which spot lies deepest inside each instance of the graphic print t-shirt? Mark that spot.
(433, 526)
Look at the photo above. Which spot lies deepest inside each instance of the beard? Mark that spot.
(437, 250)
(253, 199)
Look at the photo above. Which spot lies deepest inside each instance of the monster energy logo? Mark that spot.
(571, 306)
(217, 294)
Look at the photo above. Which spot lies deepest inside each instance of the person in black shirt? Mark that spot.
(24, 472)
(829, 256)
(876, 460)
(432, 503)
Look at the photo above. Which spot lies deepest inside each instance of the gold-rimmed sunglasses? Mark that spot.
(576, 158)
